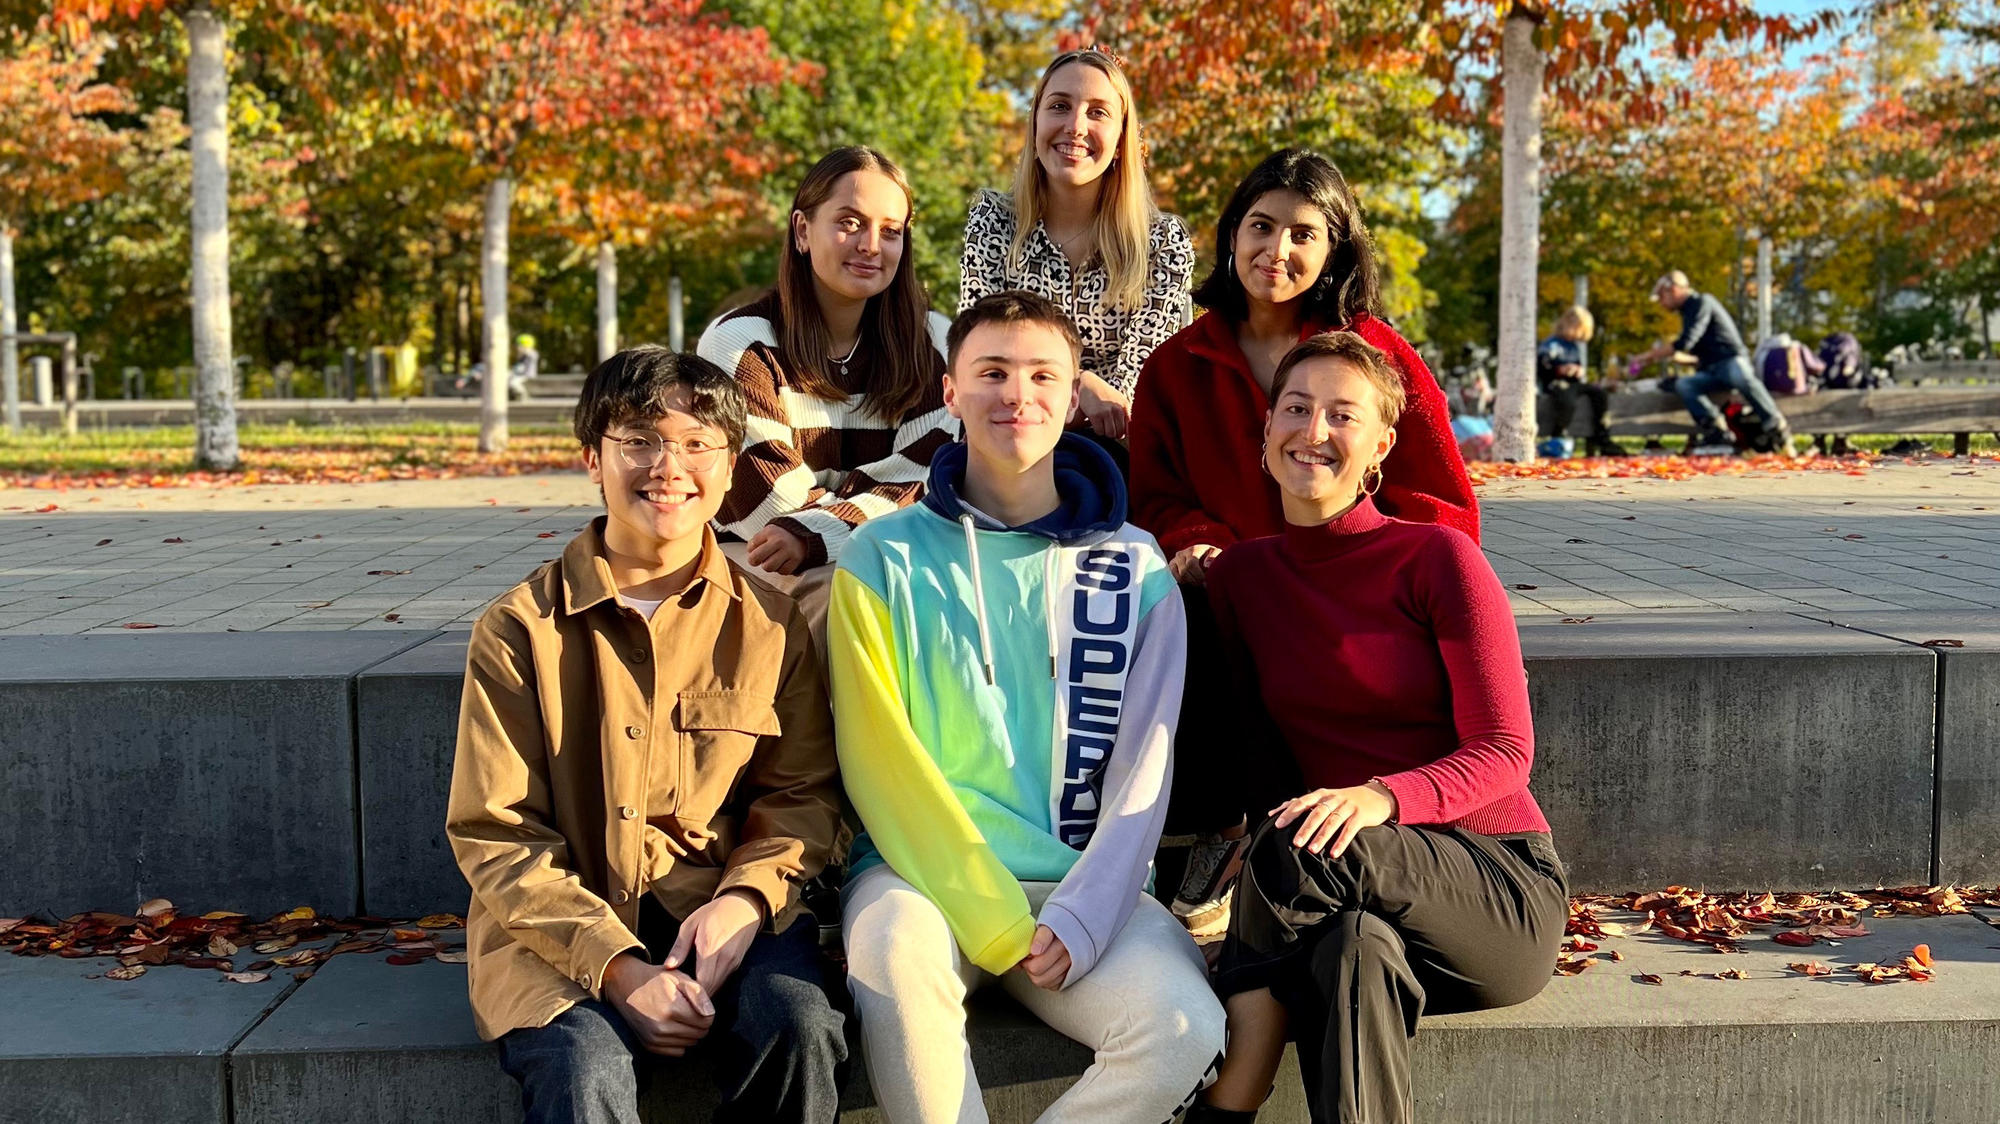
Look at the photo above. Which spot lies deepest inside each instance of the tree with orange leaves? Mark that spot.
(513, 84)
(55, 151)
(1590, 57)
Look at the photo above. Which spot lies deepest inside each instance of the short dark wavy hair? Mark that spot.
(1347, 286)
(637, 385)
(1010, 306)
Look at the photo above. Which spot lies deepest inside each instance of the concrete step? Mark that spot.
(258, 771)
(366, 1041)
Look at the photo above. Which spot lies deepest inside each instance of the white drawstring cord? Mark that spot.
(1049, 602)
(979, 598)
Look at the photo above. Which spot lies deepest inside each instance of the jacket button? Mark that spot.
(620, 897)
(584, 979)
(633, 731)
(627, 811)
(638, 655)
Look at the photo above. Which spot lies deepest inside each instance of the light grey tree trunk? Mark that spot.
(1520, 239)
(10, 352)
(607, 300)
(208, 123)
(1581, 283)
(1763, 288)
(676, 329)
(493, 290)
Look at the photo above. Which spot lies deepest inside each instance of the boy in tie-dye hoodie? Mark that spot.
(1007, 663)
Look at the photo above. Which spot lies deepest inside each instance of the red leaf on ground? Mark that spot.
(1811, 968)
(386, 573)
(405, 959)
(1797, 938)
(1944, 643)
(138, 624)
(104, 542)
(1922, 955)
(392, 617)
(45, 509)
(175, 539)
(546, 535)
(1650, 978)
(1525, 585)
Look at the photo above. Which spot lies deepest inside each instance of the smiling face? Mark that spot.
(1280, 246)
(1078, 124)
(657, 512)
(855, 237)
(1322, 435)
(1013, 387)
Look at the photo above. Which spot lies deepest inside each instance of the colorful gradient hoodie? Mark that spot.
(1004, 702)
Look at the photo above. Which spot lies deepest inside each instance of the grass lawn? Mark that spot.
(280, 454)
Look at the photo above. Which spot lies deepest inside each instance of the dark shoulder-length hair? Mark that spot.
(1347, 286)
(895, 329)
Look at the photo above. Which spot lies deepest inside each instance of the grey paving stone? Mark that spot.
(407, 730)
(1968, 774)
(76, 1049)
(1731, 751)
(216, 770)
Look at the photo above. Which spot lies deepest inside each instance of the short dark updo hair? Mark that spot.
(1357, 353)
(637, 385)
(1347, 286)
(1010, 306)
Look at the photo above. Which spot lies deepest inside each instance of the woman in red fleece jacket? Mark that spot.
(1293, 258)
(1416, 874)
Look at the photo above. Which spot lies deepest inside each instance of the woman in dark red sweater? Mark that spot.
(1416, 873)
(1293, 258)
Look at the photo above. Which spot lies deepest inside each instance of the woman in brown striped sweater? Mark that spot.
(842, 364)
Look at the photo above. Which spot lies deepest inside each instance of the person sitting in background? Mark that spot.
(1562, 371)
(1709, 333)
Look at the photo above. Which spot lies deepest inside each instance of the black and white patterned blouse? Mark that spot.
(1115, 343)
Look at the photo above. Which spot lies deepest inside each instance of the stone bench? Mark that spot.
(258, 771)
(1957, 410)
(363, 1041)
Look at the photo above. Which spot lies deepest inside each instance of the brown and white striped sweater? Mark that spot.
(817, 468)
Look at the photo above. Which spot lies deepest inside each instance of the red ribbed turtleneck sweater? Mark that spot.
(1385, 649)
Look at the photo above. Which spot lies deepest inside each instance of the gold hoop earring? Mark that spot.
(1376, 471)
(1264, 458)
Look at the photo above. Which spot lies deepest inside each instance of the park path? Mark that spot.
(432, 553)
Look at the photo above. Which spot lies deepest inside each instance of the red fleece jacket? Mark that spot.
(1198, 430)
(1385, 650)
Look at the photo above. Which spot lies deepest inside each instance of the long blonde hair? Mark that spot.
(1122, 228)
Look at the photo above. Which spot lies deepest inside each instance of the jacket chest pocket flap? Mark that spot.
(718, 732)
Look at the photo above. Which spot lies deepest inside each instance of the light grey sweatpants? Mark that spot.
(1146, 1008)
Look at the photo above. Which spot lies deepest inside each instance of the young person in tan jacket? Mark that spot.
(645, 775)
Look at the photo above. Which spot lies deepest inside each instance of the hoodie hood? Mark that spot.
(1090, 490)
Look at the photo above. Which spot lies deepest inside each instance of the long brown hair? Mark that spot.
(1122, 228)
(894, 326)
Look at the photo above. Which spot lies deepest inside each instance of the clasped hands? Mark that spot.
(666, 1007)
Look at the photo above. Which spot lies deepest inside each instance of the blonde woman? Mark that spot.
(1562, 366)
(1080, 229)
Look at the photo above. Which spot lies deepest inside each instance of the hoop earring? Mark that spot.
(1376, 471)
(1264, 458)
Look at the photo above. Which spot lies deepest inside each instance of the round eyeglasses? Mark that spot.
(644, 450)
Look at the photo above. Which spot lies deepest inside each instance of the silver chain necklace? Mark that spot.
(850, 354)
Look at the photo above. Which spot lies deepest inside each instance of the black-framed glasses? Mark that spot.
(644, 450)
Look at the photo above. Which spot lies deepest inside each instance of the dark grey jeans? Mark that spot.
(777, 1050)
(1409, 921)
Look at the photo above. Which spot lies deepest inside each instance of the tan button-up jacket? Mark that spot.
(602, 756)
